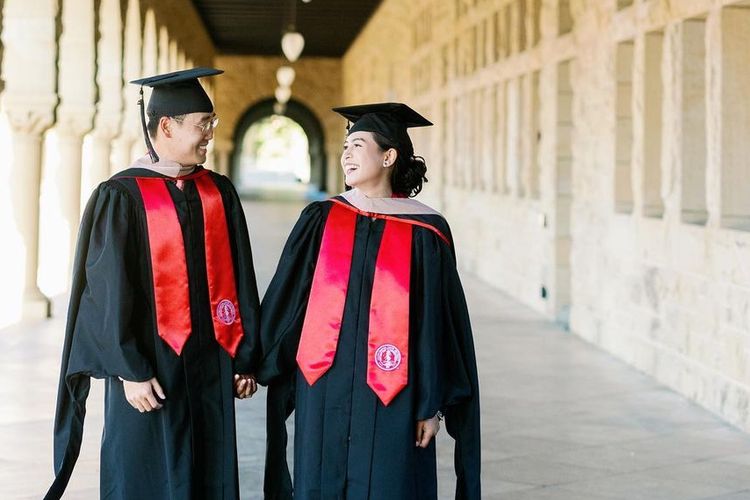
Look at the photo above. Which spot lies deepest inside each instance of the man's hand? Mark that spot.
(426, 430)
(142, 395)
(244, 386)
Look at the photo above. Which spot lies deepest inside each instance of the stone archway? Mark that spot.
(301, 114)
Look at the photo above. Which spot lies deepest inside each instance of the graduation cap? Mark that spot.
(389, 119)
(174, 94)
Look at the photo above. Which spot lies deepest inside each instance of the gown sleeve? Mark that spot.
(248, 351)
(446, 363)
(282, 315)
(285, 302)
(461, 408)
(98, 340)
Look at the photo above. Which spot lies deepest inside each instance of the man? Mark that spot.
(164, 308)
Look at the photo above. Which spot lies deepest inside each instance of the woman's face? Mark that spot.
(362, 161)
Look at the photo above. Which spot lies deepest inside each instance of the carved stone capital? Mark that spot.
(106, 126)
(74, 121)
(29, 120)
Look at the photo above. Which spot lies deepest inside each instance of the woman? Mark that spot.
(365, 332)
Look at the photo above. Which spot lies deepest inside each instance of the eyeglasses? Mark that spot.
(206, 126)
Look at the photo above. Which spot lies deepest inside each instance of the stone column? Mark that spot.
(163, 63)
(122, 152)
(149, 66)
(102, 138)
(139, 148)
(28, 126)
(173, 56)
(29, 99)
(109, 81)
(150, 47)
(77, 92)
(71, 128)
(181, 59)
(123, 145)
(222, 154)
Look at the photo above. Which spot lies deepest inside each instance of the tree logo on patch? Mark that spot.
(387, 357)
(225, 312)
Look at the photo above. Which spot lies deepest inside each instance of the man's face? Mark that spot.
(190, 138)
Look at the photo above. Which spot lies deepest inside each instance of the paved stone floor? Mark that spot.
(561, 420)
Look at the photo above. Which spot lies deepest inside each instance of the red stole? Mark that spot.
(169, 268)
(388, 336)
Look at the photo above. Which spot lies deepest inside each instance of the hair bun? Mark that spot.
(409, 176)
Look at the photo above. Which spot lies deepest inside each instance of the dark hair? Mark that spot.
(153, 122)
(408, 171)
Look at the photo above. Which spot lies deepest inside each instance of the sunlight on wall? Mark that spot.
(12, 255)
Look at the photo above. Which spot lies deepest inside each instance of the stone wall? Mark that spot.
(250, 80)
(588, 156)
(662, 284)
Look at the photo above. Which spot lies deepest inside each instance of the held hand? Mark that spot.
(142, 395)
(244, 386)
(426, 430)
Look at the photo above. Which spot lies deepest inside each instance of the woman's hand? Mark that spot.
(426, 430)
(244, 386)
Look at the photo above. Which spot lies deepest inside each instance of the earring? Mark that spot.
(385, 163)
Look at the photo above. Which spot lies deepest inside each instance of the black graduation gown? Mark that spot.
(347, 443)
(187, 449)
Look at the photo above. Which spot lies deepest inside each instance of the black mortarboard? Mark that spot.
(389, 119)
(174, 94)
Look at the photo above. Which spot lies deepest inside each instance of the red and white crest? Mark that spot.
(387, 357)
(225, 312)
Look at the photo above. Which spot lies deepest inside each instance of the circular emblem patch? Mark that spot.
(225, 312)
(387, 357)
